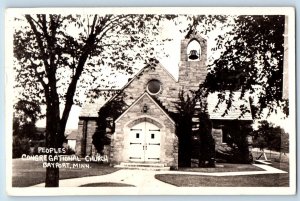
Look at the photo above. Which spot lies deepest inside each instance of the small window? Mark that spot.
(225, 136)
(152, 136)
(137, 135)
(154, 87)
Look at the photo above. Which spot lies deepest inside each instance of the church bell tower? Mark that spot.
(192, 66)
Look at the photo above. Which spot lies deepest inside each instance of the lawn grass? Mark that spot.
(266, 180)
(27, 173)
(271, 155)
(224, 167)
(282, 166)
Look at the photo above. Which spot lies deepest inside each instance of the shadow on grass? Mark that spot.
(224, 167)
(270, 180)
(28, 173)
(106, 184)
(263, 180)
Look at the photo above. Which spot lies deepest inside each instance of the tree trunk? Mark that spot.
(52, 176)
(185, 152)
(54, 140)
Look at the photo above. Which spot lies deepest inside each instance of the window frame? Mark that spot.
(160, 87)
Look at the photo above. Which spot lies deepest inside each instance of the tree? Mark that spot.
(26, 114)
(207, 143)
(268, 136)
(248, 55)
(252, 57)
(206, 140)
(56, 55)
(105, 128)
(251, 61)
(186, 110)
(238, 132)
(27, 111)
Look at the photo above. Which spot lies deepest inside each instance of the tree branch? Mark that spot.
(39, 39)
(72, 86)
(93, 25)
(40, 79)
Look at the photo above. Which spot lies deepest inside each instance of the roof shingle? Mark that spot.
(240, 108)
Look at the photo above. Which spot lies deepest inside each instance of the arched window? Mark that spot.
(194, 51)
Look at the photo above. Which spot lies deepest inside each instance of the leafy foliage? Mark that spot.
(237, 139)
(204, 23)
(186, 109)
(24, 130)
(58, 57)
(206, 141)
(58, 54)
(20, 146)
(105, 126)
(27, 112)
(251, 58)
(270, 136)
(25, 116)
(185, 105)
(98, 42)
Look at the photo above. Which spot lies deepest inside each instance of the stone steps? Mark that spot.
(143, 166)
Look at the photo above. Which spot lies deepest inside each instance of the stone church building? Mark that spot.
(141, 128)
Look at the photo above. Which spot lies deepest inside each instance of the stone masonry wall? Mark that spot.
(217, 134)
(169, 87)
(86, 130)
(91, 129)
(80, 139)
(120, 139)
(192, 73)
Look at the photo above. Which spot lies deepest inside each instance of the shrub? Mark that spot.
(20, 146)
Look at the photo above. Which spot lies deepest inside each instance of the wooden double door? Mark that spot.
(145, 143)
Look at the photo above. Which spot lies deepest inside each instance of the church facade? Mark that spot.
(141, 128)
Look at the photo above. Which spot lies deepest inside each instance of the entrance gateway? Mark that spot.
(144, 145)
(144, 139)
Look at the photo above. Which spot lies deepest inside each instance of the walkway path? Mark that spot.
(145, 179)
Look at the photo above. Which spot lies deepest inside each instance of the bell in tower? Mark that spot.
(192, 67)
(193, 55)
(193, 50)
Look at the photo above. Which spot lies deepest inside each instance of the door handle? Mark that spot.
(154, 143)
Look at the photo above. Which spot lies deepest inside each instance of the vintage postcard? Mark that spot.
(150, 101)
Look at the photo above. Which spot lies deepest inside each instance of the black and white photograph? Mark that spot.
(150, 101)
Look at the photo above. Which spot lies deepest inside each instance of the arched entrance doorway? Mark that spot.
(144, 142)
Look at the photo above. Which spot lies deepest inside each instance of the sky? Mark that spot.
(131, 3)
(171, 62)
(172, 48)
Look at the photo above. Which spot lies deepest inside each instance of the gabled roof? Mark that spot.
(240, 108)
(142, 70)
(154, 102)
(91, 109)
